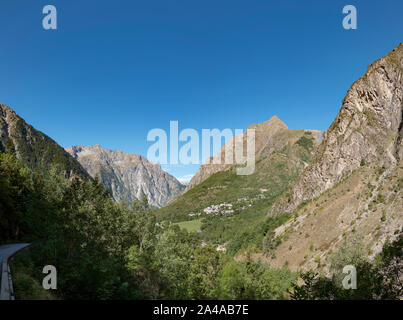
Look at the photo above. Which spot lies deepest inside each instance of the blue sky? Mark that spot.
(113, 70)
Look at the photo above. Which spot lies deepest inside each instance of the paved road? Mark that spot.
(9, 249)
(6, 252)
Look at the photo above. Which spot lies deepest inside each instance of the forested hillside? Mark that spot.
(34, 148)
(104, 250)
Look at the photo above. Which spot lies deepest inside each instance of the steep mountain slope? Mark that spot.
(364, 209)
(280, 154)
(129, 176)
(264, 133)
(36, 149)
(353, 189)
(367, 129)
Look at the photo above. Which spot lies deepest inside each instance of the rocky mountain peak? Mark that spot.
(272, 124)
(129, 176)
(270, 136)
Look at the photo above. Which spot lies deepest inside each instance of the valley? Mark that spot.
(119, 227)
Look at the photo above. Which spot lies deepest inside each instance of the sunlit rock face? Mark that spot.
(130, 177)
(367, 129)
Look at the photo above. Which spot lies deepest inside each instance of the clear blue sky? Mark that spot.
(116, 69)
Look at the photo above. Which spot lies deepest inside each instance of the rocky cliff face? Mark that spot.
(129, 176)
(36, 149)
(368, 129)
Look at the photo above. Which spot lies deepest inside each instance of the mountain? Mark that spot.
(353, 187)
(264, 133)
(129, 176)
(280, 156)
(368, 128)
(321, 190)
(34, 148)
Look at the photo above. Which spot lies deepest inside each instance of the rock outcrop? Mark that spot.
(367, 129)
(129, 176)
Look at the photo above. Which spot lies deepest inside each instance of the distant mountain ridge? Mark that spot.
(130, 177)
(35, 148)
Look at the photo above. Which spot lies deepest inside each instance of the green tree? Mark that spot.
(232, 282)
(274, 284)
(204, 271)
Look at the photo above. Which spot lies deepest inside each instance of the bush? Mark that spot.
(380, 280)
(25, 283)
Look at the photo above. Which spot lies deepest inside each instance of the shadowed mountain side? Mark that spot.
(35, 148)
